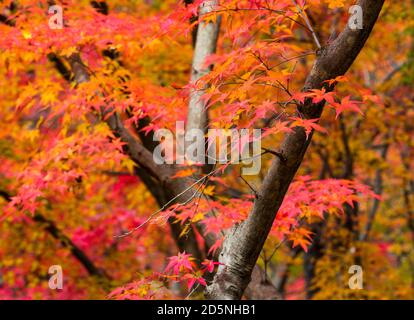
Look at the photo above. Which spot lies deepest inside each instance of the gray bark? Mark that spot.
(205, 45)
(243, 245)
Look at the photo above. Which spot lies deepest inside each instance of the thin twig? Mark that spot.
(305, 18)
(192, 291)
(166, 205)
(278, 154)
(251, 188)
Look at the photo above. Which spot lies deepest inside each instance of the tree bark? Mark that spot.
(205, 45)
(243, 245)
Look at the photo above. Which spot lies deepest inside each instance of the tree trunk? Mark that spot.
(244, 243)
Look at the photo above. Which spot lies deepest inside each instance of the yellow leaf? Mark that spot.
(26, 34)
(199, 216)
(333, 4)
(209, 191)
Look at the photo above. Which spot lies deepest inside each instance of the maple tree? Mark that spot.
(81, 106)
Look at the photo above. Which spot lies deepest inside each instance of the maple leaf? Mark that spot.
(216, 246)
(301, 237)
(320, 95)
(209, 265)
(262, 109)
(182, 262)
(336, 80)
(300, 96)
(184, 173)
(367, 95)
(280, 126)
(308, 125)
(192, 279)
(346, 104)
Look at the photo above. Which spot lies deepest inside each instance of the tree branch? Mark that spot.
(56, 233)
(205, 45)
(243, 245)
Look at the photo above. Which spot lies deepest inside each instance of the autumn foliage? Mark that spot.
(79, 107)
